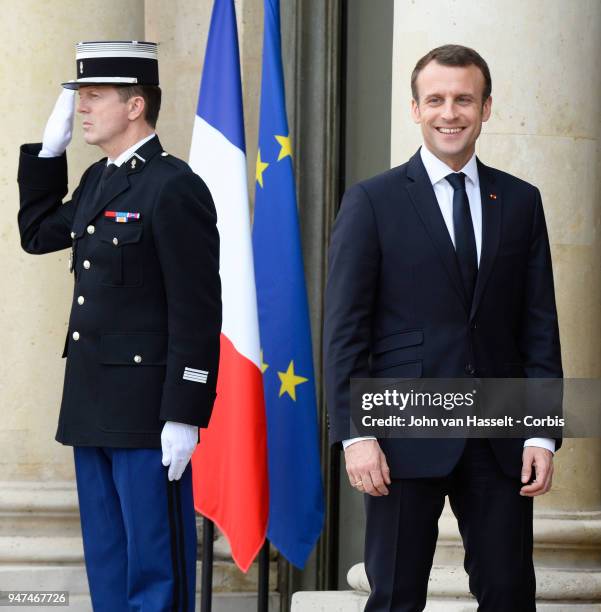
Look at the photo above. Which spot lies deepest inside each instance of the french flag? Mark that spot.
(230, 464)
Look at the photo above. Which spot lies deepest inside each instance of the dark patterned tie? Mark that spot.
(465, 240)
(108, 171)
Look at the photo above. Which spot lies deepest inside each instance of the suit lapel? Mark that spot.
(86, 198)
(425, 203)
(121, 179)
(492, 206)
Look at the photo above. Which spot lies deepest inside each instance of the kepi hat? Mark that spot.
(115, 62)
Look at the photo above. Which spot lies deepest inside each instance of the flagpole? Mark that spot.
(206, 589)
(263, 600)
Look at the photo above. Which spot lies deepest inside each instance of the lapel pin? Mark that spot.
(133, 163)
(492, 196)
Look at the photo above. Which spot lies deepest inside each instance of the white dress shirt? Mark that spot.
(437, 171)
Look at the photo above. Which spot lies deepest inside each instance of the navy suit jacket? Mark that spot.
(395, 305)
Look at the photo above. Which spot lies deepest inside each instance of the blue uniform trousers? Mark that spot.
(139, 531)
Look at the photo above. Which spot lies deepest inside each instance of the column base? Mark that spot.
(553, 585)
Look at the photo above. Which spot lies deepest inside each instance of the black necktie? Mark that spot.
(465, 240)
(104, 177)
(108, 171)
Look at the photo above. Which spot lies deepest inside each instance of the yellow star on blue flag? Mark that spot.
(260, 167)
(289, 381)
(286, 150)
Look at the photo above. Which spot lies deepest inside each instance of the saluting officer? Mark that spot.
(143, 342)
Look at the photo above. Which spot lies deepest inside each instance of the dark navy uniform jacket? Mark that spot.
(143, 340)
(395, 305)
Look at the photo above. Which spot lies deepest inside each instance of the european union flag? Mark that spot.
(296, 505)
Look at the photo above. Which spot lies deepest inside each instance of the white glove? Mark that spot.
(59, 128)
(178, 441)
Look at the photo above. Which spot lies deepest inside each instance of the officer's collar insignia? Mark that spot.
(135, 162)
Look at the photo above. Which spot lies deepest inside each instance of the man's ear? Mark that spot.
(487, 109)
(136, 107)
(415, 114)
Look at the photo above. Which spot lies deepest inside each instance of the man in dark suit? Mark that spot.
(441, 268)
(143, 341)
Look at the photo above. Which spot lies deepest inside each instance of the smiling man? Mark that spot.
(441, 268)
(142, 346)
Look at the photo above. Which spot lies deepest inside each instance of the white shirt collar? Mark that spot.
(127, 154)
(437, 169)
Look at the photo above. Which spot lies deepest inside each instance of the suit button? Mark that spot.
(90, 229)
(80, 300)
(86, 264)
(469, 369)
(138, 358)
(75, 336)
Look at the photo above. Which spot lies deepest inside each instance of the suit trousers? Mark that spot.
(139, 531)
(495, 523)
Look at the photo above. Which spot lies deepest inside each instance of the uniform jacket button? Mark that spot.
(80, 300)
(91, 229)
(72, 234)
(75, 336)
(86, 264)
(138, 358)
(115, 241)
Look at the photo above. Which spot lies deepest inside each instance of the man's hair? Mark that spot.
(152, 99)
(453, 55)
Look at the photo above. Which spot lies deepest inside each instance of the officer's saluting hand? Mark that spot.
(59, 128)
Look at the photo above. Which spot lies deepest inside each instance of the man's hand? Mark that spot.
(542, 461)
(59, 128)
(178, 441)
(367, 468)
